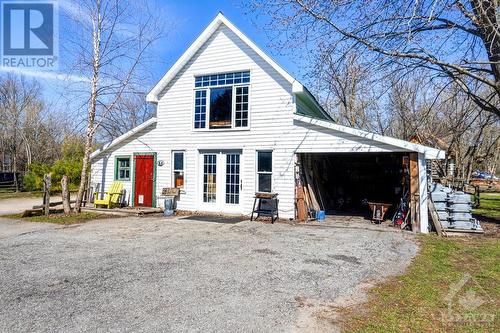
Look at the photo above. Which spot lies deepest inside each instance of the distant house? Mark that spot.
(231, 122)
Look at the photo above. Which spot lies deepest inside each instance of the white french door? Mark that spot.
(220, 181)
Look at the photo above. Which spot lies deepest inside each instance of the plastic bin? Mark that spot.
(169, 206)
(320, 215)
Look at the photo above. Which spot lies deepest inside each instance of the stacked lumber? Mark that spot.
(308, 196)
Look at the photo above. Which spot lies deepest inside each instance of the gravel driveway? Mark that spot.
(153, 274)
(17, 205)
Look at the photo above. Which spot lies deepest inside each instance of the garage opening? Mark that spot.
(344, 183)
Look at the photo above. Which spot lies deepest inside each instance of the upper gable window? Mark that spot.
(222, 79)
(221, 101)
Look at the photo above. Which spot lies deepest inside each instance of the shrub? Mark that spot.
(69, 164)
(33, 179)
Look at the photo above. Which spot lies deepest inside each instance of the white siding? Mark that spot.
(272, 127)
(310, 138)
(271, 103)
(103, 166)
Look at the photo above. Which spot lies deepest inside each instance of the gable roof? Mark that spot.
(198, 43)
(124, 136)
(220, 19)
(429, 152)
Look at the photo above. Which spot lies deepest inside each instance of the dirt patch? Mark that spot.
(491, 229)
(266, 251)
(215, 218)
(349, 259)
(318, 262)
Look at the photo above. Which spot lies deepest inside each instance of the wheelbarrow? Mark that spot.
(378, 210)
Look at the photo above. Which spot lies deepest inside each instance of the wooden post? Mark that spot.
(16, 182)
(301, 205)
(435, 218)
(65, 194)
(414, 193)
(47, 178)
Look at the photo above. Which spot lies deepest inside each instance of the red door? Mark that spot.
(143, 184)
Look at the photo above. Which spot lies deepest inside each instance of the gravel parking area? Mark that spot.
(156, 274)
(17, 205)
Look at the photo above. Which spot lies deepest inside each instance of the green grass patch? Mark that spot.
(417, 301)
(60, 218)
(489, 206)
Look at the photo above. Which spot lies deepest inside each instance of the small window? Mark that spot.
(178, 169)
(264, 171)
(122, 168)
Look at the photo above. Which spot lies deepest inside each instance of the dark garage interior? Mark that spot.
(344, 182)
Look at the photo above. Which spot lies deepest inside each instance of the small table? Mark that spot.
(378, 210)
(267, 205)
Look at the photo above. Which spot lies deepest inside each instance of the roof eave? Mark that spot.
(429, 152)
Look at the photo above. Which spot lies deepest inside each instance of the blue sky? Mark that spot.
(191, 17)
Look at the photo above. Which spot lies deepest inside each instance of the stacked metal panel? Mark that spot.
(454, 208)
(439, 195)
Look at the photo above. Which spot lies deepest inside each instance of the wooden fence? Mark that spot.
(11, 181)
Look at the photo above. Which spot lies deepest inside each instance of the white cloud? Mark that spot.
(73, 10)
(45, 74)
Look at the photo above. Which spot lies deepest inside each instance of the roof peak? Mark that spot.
(219, 19)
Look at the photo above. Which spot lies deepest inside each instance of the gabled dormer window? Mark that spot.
(221, 101)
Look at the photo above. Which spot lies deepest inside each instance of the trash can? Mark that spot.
(168, 203)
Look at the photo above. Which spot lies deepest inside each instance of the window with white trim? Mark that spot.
(264, 170)
(178, 169)
(221, 101)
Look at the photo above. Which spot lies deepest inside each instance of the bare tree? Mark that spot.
(110, 41)
(130, 111)
(455, 40)
(444, 117)
(26, 135)
(347, 90)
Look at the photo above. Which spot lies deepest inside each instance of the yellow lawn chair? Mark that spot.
(111, 197)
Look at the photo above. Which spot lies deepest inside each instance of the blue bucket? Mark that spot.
(320, 215)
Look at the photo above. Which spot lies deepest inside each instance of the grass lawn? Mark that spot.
(489, 206)
(417, 301)
(60, 218)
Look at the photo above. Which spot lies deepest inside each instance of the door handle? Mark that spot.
(241, 184)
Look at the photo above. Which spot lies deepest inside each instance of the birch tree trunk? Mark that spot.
(121, 33)
(96, 37)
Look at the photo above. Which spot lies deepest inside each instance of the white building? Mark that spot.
(230, 122)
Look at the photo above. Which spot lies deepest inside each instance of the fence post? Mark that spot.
(65, 194)
(16, 181)
(46, 192)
